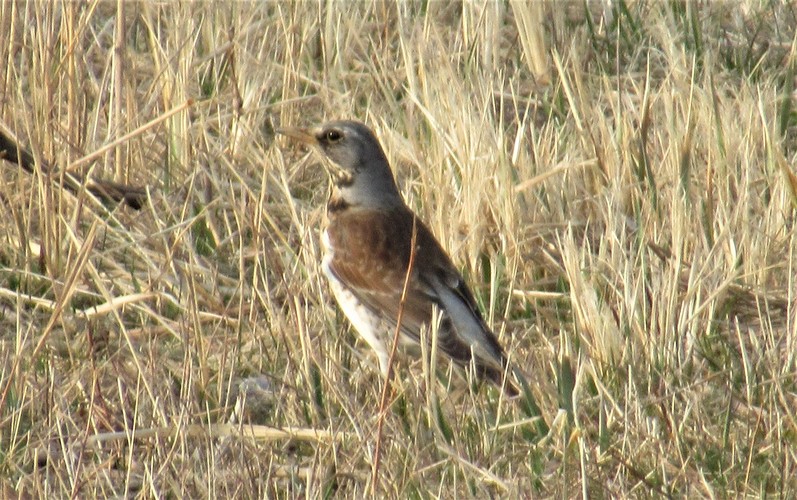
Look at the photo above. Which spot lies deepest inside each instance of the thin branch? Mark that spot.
(386, 388)
(12, 151)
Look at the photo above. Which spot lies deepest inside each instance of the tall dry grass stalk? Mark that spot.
(615, 179)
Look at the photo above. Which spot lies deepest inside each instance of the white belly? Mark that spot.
(370, 326)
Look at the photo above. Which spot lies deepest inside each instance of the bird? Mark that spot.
(367, 246)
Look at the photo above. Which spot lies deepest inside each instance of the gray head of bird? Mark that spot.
(354, 160)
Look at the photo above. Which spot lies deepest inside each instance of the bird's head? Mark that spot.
(354, 159)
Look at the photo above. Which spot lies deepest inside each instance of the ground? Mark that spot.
(616, 180)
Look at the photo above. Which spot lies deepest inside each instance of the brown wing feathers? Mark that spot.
(371, 254)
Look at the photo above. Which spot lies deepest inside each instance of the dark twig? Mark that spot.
(110, 192)
(393, 348)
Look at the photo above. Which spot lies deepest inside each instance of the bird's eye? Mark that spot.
(333, 135)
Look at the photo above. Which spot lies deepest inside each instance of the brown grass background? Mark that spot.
(615, 179)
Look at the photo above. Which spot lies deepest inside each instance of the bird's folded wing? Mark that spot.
(461, 332)
(454, 297)
(371, 253)
(382, 296)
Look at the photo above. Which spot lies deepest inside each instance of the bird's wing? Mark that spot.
(455, 298)
(371, 251)
(370, 254)
(466, 329)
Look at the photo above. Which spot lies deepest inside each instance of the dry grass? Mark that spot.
(617, 184)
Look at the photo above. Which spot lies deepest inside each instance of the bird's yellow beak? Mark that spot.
(300, 134)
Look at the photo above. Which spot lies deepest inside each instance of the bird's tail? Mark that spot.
(517, 390)
(527, 402)
(497, 378)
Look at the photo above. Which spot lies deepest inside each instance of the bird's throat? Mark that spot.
(336, 202)
(341, 178)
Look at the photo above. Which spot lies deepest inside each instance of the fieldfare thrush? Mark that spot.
(367, 243)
